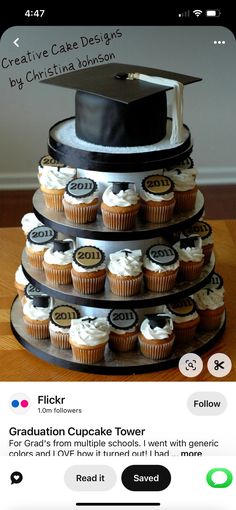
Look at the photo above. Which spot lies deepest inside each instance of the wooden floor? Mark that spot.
(219, 204)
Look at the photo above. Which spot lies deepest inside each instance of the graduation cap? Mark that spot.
(189, 242)
(61, 246)
(157, 320)
(41, 301)
(125, 105)
(119, 186)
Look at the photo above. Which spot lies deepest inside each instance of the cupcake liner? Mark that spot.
(185, 331)
(157, 212)
(124, 285)
(53, 198)
(211, 319)
(189, 271)
(57, 275)
(84, 213)
(60, 340)
(122, 343)
(185, 200)
(207, 251)
(159, 282)
(119, 220)
(37, 329)
(20, 290)
(35, 258)
(156, 349)
(88, 354)
(86, 284)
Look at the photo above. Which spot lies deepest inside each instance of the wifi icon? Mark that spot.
(197, 12)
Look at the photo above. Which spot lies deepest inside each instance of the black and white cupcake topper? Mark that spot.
(122, 319)
(41, 235)
(200, 228)
(88, 256)
(41, 301)
(190, 242)
(81, 187)
(182, 308)
(49, 161)
(61, 246)
(158, 320)
(162, 254)
(62, 315)
(30, 291)
(89, 319)
(216, 281)
(118, 186)
(157, 184)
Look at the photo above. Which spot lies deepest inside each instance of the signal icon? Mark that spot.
(197, 12)
(185, 14)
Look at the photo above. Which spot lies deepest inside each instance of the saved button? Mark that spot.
(146, 478)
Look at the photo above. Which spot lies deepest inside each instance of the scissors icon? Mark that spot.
(219, 364)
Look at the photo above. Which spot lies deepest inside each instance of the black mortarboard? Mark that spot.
(62, 246)
(120, 186)
(157, 320)
(112, 110)
(189, 242)
(41, 301)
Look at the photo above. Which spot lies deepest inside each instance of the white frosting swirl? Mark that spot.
(209, 298)
(36, 313)
(194, 254)
(80, 269)
(156, 333)
(85, 332)
(183, 178)
(152, 266)
(146, 196)
(57, 179)
(126, 263)
(57, 329)
(58, 257)
(20, 277)
(184, 318)
(80, 200)
(37, 247)
(207, 240)
(122, 199)
(30, 221)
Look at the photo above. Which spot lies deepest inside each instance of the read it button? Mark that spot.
(146, 478)
(90, 478)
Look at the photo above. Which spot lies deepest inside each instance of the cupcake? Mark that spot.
(38, 241)
(88, 337)
(125, 272)
(157, 199)
(57, 262)
(36, 313)
(156, 337)
(59, 325)
(28, 222)
(185, 188)
(20, 282)
(88, 270)
(120, 206)
(53, 181)
(160, 268)
(210, 303)
(191, 257)
(81, 200)
(204, 230)
(185, 319)
(48, 164)
(124, 329)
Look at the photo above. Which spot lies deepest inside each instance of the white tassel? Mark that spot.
(177, 106)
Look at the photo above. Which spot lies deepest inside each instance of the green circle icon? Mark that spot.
(219, 478)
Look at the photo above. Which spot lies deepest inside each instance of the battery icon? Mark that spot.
(214, 13)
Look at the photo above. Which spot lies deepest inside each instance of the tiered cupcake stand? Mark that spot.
(105, 167)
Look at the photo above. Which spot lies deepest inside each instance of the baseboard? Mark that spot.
(207, 176)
